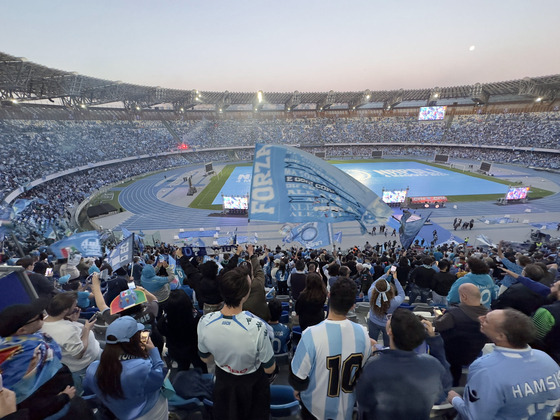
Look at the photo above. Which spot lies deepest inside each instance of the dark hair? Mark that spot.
(443, 264)
(343, 295)
(333, 269)
(389, 289)
(524, 260)
(109, 371)
(71, 285)
(518, 328)
(209, 269)
(344, 271)
(477, 266)
(300, 265)
(40, 267)
(275, 308)
(61, 302)
(407, 330)
(234, 285)
(25, 262)
(315, 289)
(312, 266)
(534, 271)
(427, 261)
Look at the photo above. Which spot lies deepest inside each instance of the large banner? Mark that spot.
(85, 243)
(289, 185)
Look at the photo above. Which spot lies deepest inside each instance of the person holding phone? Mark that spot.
(385, 295)
(77, 341)
(128, 377)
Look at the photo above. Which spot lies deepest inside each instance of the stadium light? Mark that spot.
(260, 96)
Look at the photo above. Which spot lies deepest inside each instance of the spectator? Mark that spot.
(282, 333)
(130, 374)
(337, 348)
(514, 381)
(310, 305)
(399, 371)
(241, 349)
(478, 275)
(384, 297)
(178, 324)
(77, 341)
(43, 385)
(459, 327)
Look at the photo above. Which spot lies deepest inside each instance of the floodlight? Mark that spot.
(260, 96)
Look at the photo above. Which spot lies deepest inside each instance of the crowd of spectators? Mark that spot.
(474, 286)
(35, 148)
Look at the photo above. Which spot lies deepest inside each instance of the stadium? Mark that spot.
(55, 121)
(175, 167)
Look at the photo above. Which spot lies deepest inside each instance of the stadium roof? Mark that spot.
(24, 81)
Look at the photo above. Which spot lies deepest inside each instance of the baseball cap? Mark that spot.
(122, 329)
(127, 299)
(14, 317)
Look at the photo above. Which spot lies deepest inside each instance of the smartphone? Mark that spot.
(104, 275)
(49, 272)
(144, 335)
(438, 312)
(393, 268)
(131, 285)
(94, 317)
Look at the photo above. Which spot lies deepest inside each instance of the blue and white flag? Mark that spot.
(485, 240)
(246, 240)
(20, 205)
(86, 243)
(121, 255)
(126, 233)
(291, 185)
(409, 230)
(311, 235)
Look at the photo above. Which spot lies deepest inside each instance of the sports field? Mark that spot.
(420, 178)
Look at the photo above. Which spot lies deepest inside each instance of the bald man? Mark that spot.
(459, 327)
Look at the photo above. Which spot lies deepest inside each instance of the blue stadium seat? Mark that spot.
(282, 401)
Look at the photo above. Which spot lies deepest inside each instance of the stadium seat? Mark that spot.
(282, 401)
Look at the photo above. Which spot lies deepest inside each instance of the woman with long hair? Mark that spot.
(130, 374)
(385, 295)
(178, 324)
(281, 277)
(311, 301)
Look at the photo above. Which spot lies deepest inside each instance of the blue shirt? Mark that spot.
(141, 381)
(281, 338)
(510, 384)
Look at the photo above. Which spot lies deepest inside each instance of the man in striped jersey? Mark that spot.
(329, 357)
(239, 344)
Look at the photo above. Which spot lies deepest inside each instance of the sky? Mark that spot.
(283, 46)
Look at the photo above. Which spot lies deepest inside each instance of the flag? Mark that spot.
(86, 243)
(121, 255)
(485, 240)
(311, 235)
(409, 229)
(337, 237)
(291, 185)
(20, 205)
(126, 233)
